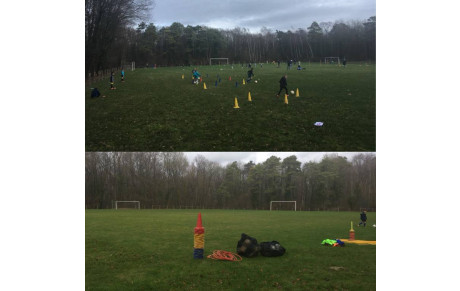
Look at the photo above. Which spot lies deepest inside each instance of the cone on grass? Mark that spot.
(182, 76)
(297, 93)
(230, 78)
(204, 86)
(236, 103)
(249, 96)
(201, 79)
(199, 224)
(244, 83)
(286, 99)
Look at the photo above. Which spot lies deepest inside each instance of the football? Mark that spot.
(292, 91)
(255, 81)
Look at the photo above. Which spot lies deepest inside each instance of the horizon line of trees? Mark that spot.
(111, 40)
(169, 180)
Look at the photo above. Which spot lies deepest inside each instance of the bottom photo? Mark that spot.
(230, 220)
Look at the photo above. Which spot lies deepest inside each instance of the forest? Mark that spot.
(169, 180)
(116, 34)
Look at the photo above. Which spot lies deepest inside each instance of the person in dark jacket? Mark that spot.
(250, 75)
(283, 85)
(112, 80)
(363, 218)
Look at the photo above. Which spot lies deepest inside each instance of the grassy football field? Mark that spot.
(157, 110)
(153, 250)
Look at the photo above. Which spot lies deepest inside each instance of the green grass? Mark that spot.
(155, 110)
(153, 250)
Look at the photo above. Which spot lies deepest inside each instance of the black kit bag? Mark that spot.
(95, 93)
(271, 249)
(247, 246)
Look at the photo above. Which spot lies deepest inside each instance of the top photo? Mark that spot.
(258, 75)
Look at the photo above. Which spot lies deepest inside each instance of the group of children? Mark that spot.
(95, 92)
(112, 78)
(282, 81)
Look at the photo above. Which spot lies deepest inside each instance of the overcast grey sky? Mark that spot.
(225, 158)
(255, 14)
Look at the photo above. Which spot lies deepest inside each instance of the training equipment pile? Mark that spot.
(198, 239)
(333, 242)
(248, 247)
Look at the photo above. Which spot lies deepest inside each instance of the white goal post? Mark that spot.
(129, 66)
(137, 204)
(295, 204)
(220, 59)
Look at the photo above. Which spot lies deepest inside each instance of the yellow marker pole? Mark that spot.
(352, 232)
(286, 99)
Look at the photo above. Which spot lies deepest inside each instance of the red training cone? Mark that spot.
(198, 221)
(199, 227)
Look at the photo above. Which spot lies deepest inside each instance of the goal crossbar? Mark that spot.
(295, 204)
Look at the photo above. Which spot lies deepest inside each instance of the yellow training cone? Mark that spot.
(236, 103)
(249, 96)
(204, 86)
(182, 76)
(286, 99)
(244, 83)
(297, 93)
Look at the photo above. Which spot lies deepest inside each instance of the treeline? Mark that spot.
(168, 180)
(112, 40)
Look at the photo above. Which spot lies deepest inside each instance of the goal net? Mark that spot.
(218, 61)
(127, 205)
(332, 60)
(283, 205)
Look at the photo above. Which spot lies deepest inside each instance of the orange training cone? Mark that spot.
(297, 93)
(286, 99)
(236, 103)
(199, 223)
(230, 78)
(249, 96)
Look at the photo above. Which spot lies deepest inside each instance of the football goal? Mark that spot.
(218, 61)
(332, 60)
(129, 66)
(283, 205)
(127, 205)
